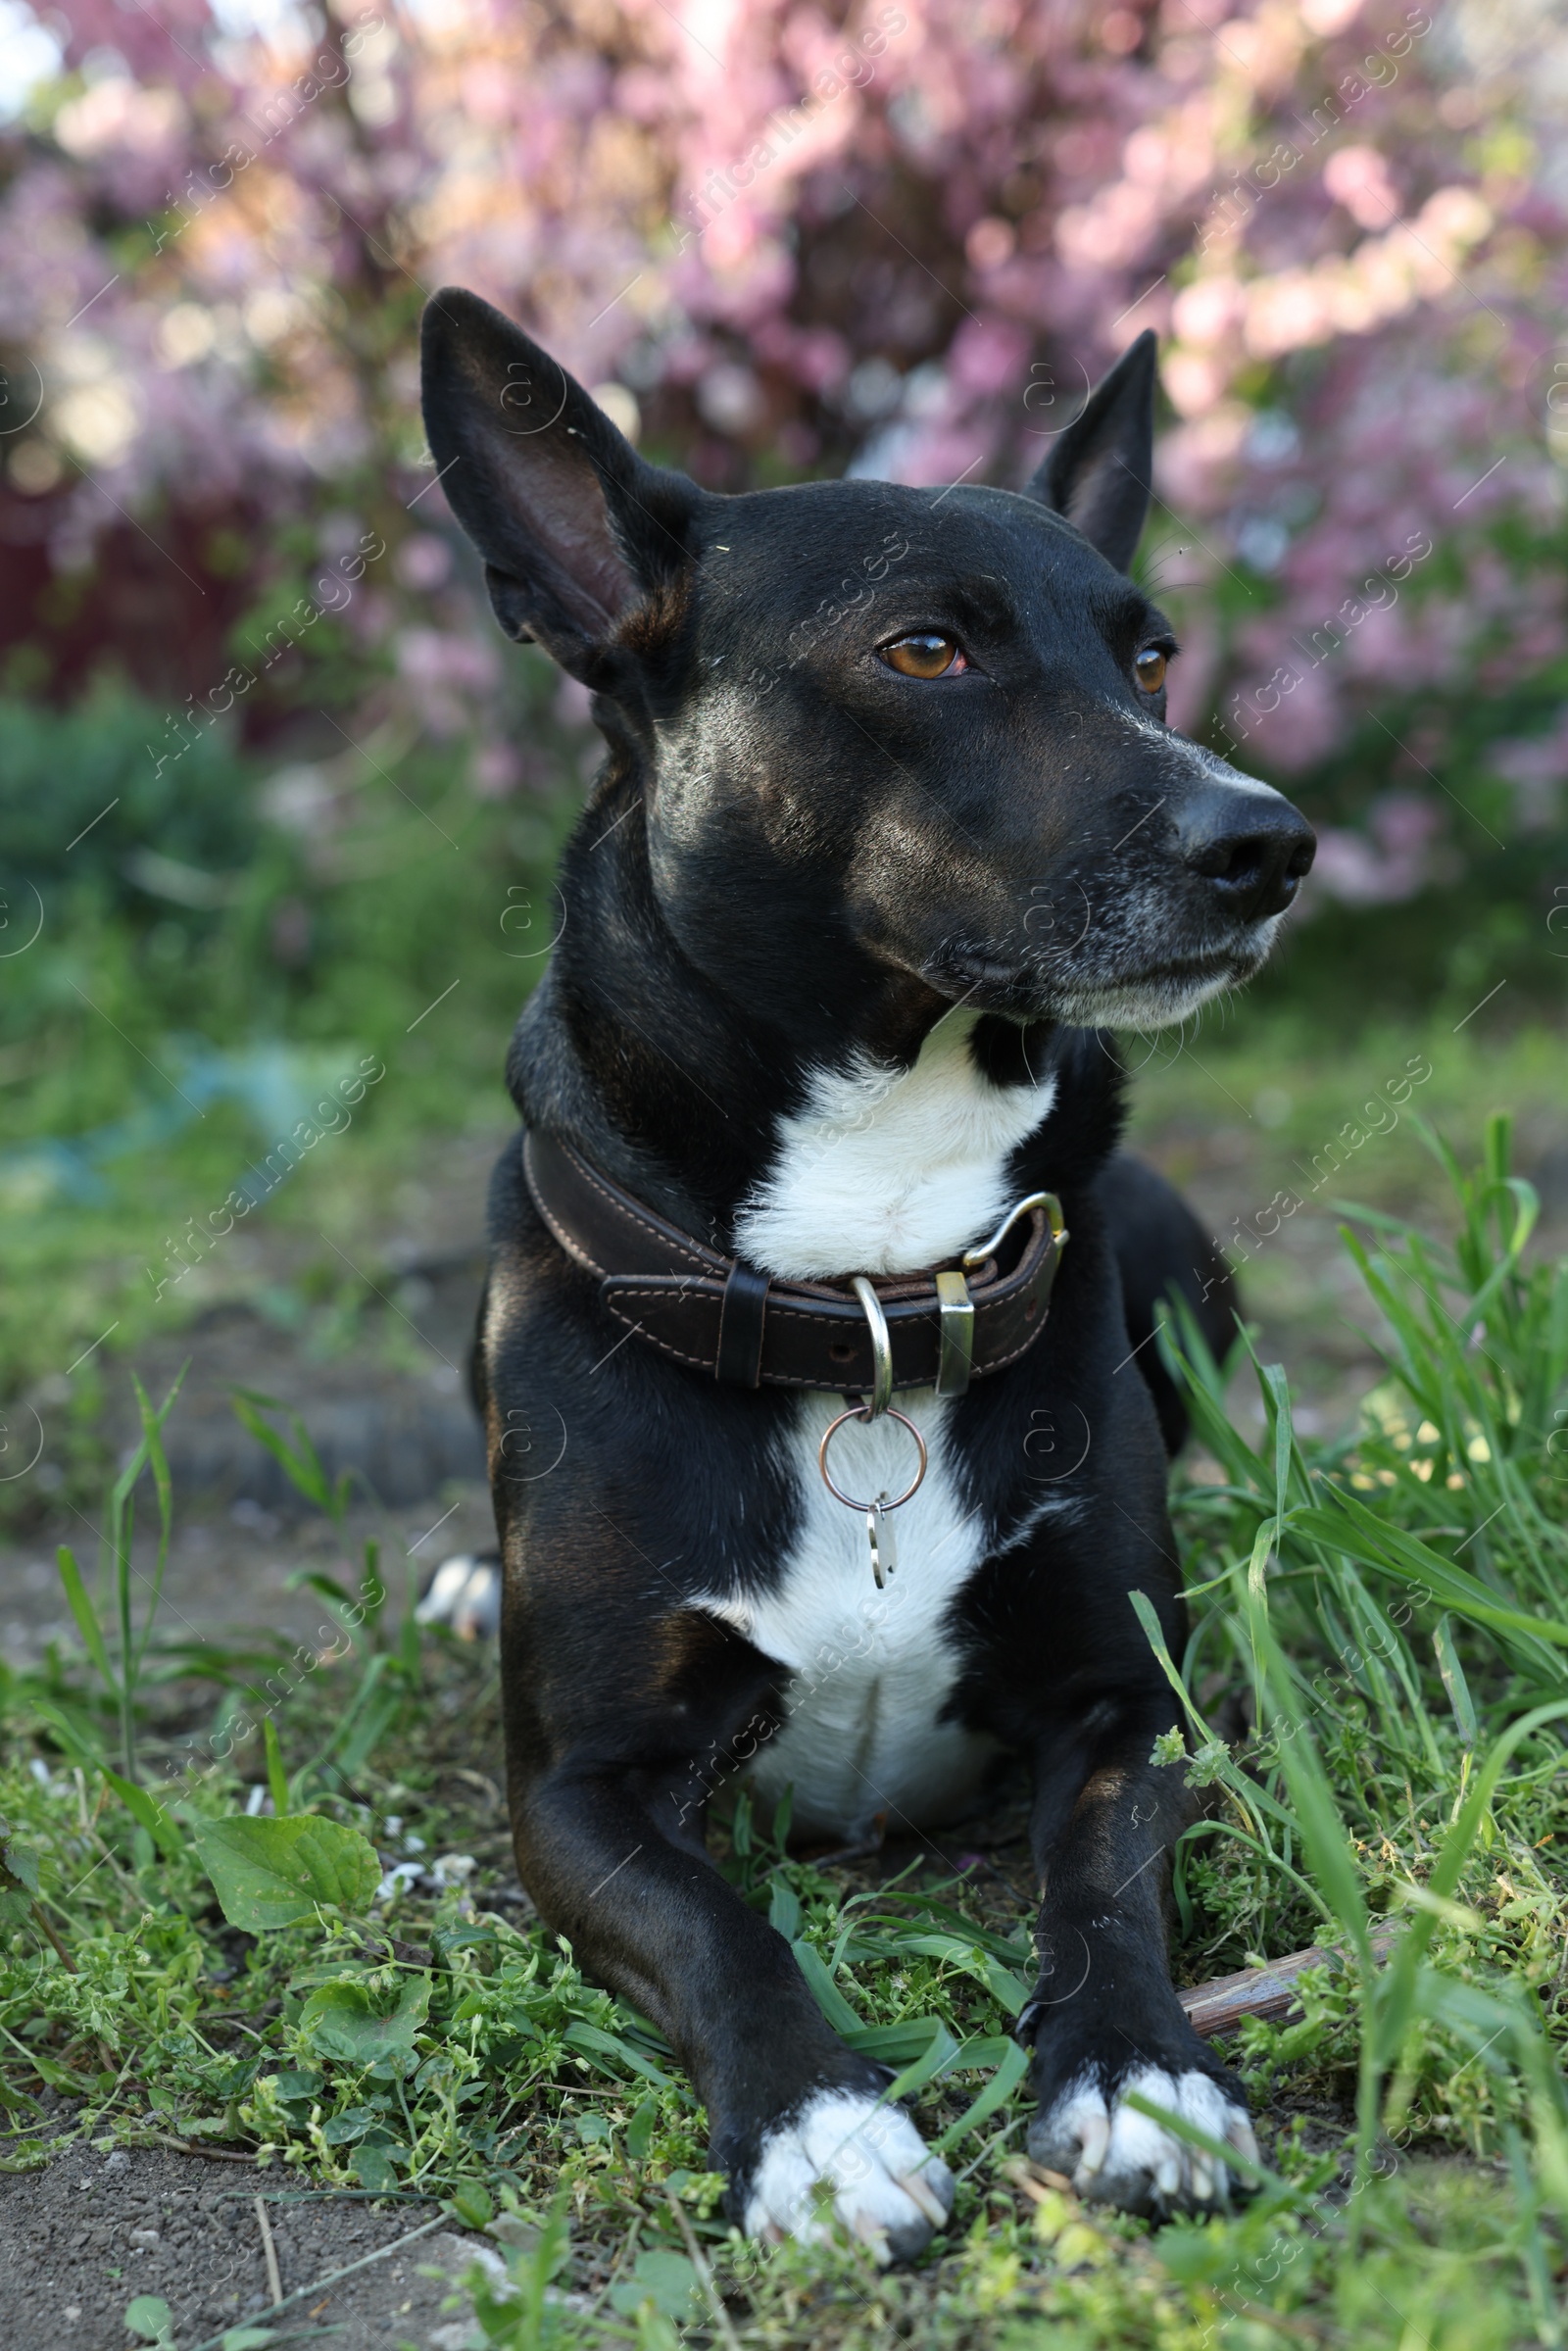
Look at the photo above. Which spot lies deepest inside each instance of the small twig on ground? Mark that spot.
(44, 1927)
(270, 2250)
(616, 2265)
(990, 2145)
(215, 2342)
(705, 2275)
(328, 2195)
(405, 1954)
(1034, 2179)
(185, 2146)
(1288, 2323)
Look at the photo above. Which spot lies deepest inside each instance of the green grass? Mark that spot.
(1384, 1617)
(1335, 1114)
(154, 1051)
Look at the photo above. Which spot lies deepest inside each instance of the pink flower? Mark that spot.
(445, 672)
(734, 213)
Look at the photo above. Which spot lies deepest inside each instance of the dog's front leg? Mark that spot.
(797, 2119)
(1105, 2018)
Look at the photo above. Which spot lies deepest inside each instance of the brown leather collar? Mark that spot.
(729, 1319)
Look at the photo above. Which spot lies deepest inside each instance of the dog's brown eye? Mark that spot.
(925, 655)
(1150, 670)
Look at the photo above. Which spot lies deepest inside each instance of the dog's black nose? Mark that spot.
(1252, 846)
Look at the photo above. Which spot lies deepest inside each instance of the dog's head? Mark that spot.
(922, 731)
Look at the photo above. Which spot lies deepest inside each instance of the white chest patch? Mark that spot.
(871, 1670)
(886, 1169)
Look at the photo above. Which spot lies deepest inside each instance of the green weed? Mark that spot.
(1376, 1679)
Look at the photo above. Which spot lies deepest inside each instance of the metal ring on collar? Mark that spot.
(863, 1412)
(881, 1396)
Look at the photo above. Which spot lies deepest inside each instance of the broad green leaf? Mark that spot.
(472, 2203)
(71, 1735)
(344, 2021)
(373, 1723)
(150, 2316)
(1017, 1948)
(981, 2054)
(357, 2121)
(374, 2169)
(1277, 1404)
(19, 1880)
(665, 2278)
(1009, 1992)
(18, 1862)
(1145, 1611)
(1007, 1989)
(270, 1874)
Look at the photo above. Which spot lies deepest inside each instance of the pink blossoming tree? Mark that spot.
(775, 243)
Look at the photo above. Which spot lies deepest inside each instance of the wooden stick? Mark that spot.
(705, 2275)
(1220, 2005)
(61, 1953)
(271, 2251)
(214, 2342)
(185, 2146)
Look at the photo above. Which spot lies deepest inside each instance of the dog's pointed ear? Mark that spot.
(1098, 470)
(574, 531)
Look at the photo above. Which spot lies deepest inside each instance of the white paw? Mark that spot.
(465, 1592)
(887, 2187)
(1119, 2156)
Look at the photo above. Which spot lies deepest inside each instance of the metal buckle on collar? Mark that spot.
(1035, 1200)
(955, 1305)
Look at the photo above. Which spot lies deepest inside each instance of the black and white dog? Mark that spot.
(891, 828)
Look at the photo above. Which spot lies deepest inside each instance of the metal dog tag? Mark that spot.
(884, 1551)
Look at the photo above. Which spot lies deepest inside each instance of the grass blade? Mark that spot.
(86, 1616)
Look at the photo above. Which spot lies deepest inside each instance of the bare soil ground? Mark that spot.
(82, 2239)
